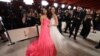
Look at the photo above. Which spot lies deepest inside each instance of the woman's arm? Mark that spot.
(56, 20)
(41, 20)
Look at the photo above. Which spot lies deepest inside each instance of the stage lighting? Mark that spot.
(74, 7)
(55, 4)
(69, 7)
(5, 0)
(28, 2)
(63, 6)
(44, 3)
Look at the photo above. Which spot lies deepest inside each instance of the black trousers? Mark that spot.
(59, 26)
(75, 26)
(85, 30)
(68, 25)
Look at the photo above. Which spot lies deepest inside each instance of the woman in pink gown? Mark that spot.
(44, 46)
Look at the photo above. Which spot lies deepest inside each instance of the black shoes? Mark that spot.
(74, 37)
(65, 32)
(94, 32)
(4, 40)
(69, 36)
(97, 47)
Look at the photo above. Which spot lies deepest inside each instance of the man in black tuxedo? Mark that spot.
(68, 21)
(60, 19)
(77, 14)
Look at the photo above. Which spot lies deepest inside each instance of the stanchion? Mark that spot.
(11, 43)
(9, 39)
(37, 28)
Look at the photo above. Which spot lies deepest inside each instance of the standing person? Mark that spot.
(68, 21)
(98, 21)
(28, 19)
(19, 16)
(24, 20)
(57, 37)
(94, 22)
(86, 26)
(2, 30)
(76, 22)
(44, 46)
(60, 20)
(12, 21)
(33, 19)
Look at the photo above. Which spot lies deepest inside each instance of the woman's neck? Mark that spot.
(45, 15)
(53, 13)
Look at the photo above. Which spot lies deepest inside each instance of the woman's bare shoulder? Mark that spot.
(41, 16)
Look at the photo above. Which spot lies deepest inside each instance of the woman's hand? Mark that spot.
(53, 25)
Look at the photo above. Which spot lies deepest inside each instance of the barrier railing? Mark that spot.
(22, 34)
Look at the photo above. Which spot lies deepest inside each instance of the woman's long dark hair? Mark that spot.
(49, 12)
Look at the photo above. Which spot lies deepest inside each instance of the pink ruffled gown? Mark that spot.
(44, 46)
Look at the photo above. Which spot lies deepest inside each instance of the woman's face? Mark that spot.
(52, 10)
(44, 11)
